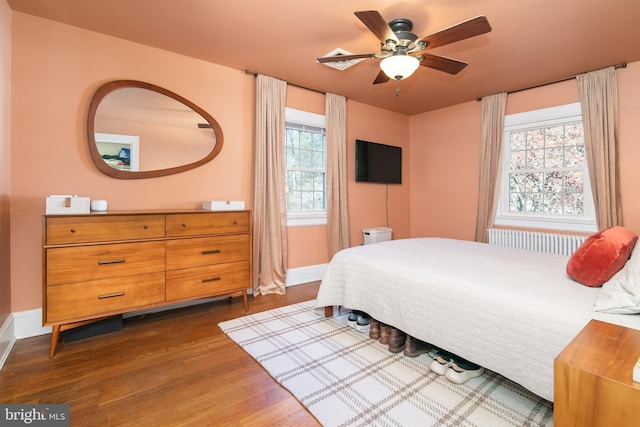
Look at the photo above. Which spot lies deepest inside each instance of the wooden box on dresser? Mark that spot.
(101, 264)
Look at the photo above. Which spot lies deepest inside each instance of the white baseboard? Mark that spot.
(311, 273)
(7, 339)
(26, 324)
(29, 324)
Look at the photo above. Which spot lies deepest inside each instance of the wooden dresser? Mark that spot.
(101, 264)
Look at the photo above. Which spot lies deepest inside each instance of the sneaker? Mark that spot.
(439, 365)
(362, 324)
(463, 365)
(433, 353)
(353, 318)
(458, 375)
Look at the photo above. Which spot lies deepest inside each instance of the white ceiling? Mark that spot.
(532, 41)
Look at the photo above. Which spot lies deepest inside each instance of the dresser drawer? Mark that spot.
(90, 229)
(105, 296)
(200, 251)
(193, 224)
(81, 263)
(207, 281)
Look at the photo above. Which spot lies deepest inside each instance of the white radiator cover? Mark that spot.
(564, 244)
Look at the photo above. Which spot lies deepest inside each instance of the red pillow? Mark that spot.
(601, 256)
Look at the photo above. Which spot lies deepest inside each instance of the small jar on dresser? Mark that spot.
(101, 264)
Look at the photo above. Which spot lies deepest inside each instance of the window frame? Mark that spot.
(305, 118)
(536, 119)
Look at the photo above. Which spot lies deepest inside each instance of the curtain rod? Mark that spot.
(623, 65)
(290, 84)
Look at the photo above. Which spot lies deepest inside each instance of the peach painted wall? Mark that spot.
(5, 161)
(369, 202)
(445, 153)
(444, 171)
(629, 95)
(56, 69)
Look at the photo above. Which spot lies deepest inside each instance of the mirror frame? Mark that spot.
(109, 87)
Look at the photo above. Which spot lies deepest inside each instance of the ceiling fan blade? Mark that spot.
(381, 78)
(377, 25)
(338, 58)
(441, 63)
(464, 30)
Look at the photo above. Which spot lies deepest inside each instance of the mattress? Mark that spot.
(509, 310)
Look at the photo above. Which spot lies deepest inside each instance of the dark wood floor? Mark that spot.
(166, 369)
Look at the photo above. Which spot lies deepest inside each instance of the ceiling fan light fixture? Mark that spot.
(399, 67)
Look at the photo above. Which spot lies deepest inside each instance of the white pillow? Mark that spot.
(621, 294)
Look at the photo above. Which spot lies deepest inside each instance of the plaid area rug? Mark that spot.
(346, 379)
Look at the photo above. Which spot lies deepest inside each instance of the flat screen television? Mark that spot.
(378, 163)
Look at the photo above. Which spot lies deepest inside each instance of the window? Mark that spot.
(545, 180)
(305, 168)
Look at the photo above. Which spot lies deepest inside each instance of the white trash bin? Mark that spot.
(376, 235)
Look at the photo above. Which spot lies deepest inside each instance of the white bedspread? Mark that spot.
(509, 310)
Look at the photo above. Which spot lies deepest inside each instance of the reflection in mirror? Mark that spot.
(138, 130)
(119, 151)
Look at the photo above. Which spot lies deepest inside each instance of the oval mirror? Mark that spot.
(139, 130)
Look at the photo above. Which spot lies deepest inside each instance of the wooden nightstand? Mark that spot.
(593, 383)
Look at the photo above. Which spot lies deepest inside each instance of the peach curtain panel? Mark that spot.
(269, 213)
(337, 205)
(493, 110)
(599, 100)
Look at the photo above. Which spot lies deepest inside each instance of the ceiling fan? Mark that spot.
(402, 52)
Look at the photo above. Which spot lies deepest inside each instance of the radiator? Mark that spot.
(564, 244)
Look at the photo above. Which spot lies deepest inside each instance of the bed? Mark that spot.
(509, 310)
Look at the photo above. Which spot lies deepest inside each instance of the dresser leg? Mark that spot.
(244, 300)
(55, 334)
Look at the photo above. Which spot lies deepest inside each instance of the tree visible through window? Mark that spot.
(305, 164)
(546, 171)
(545, 180)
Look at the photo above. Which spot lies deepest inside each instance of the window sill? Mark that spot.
(304, 222)
(547, 224)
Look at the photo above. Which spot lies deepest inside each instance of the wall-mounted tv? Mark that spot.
(378, 163)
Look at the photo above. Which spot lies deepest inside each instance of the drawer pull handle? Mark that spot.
(184, 225)
(211, 252)
(117, 294)
(235, 222)
(73, 230)
(146, 227)
(213, 279)
(111, 261)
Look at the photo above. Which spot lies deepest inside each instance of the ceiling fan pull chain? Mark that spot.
(398, 86)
